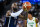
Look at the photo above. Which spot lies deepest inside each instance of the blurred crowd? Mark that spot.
(5, 5)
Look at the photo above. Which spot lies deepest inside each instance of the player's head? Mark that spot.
(29, 15)
(14, 6)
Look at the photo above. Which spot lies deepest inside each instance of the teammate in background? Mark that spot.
(31, 21)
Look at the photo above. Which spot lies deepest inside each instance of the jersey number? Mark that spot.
(31, 25)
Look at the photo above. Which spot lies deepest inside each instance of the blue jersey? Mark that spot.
(13, 22)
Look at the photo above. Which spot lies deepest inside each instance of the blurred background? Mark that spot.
(6, 4)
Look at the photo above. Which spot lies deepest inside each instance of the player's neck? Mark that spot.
(30, 18)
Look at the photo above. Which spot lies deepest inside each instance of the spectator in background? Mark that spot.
(1, 23)
(33, 7)
(20, 23)
(2, 4)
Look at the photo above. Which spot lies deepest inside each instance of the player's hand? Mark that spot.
(8, 13)
(24, 9)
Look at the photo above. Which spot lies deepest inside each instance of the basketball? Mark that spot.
(27, 6)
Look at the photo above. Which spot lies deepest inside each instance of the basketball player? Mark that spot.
(31, 21)
(14, 13)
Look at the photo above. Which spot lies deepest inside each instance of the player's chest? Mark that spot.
(31, 22)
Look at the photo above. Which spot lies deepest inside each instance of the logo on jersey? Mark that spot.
(30, 23)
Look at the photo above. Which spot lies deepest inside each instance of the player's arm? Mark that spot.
(21, 16)
(36, 20)
(17, 13)
(25, 23)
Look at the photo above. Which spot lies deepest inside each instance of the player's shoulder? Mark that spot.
(34, 17)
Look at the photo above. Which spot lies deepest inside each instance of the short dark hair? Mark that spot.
(30, 12)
